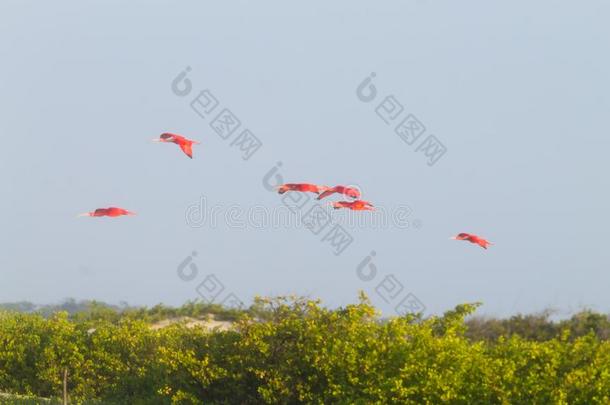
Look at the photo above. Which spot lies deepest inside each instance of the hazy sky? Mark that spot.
(518, 93)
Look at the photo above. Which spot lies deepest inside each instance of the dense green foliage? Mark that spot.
(290, 351)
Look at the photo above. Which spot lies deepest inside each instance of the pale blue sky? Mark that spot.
(518, 92)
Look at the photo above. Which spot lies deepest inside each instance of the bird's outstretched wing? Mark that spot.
(187, 148)
(326, 193)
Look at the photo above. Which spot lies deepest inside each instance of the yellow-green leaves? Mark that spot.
(291, 350)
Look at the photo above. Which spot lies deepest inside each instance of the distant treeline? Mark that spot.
(288, 350)
(539, 326)
(90, 310)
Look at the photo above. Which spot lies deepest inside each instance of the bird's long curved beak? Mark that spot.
(453, 237)
(84, 214)
(156, 140)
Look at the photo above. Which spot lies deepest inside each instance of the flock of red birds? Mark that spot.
(356, 204)
(325, 191)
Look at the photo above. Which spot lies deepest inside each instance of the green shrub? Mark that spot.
(289, 350)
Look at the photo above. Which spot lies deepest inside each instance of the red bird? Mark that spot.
(185, 144)
(473, 239)
(107, 212)
(348, 191)
(358, 205)
(304, 187)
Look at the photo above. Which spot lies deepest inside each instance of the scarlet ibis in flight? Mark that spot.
(107, 212)
(348, 191)
(473, 239)
(304, 187)
(185, 144)
(358, 205)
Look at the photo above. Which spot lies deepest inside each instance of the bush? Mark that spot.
(288, 350)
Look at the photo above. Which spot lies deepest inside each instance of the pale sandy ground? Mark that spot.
(210, 324)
